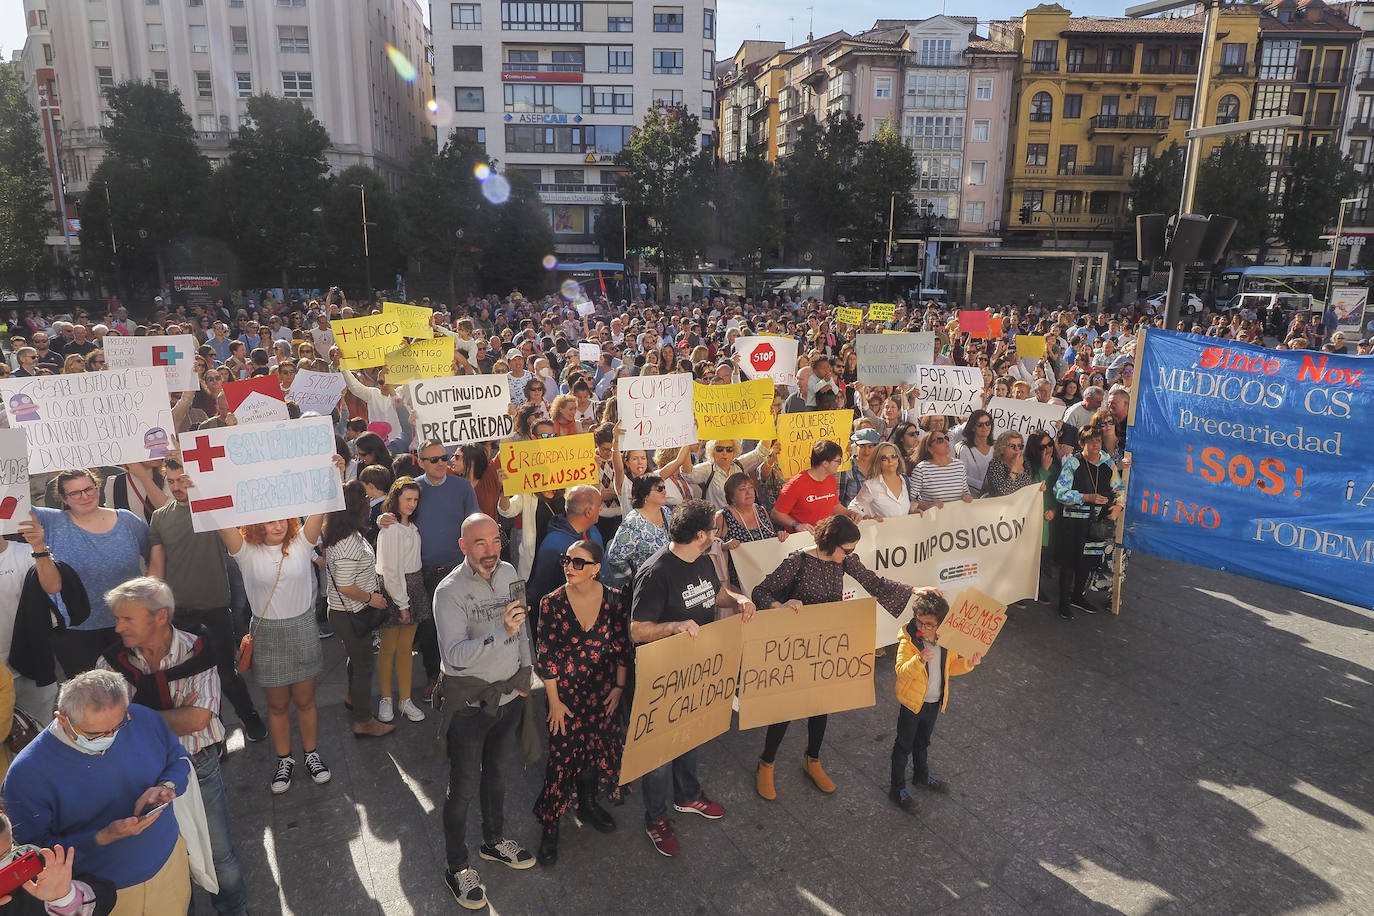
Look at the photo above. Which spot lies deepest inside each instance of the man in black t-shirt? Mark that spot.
(677, 591)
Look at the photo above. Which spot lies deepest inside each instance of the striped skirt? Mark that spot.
(286, 651)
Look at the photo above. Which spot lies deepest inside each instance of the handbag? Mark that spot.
(23, 730)
(1102, 529)
(245, 656)
(366, 618)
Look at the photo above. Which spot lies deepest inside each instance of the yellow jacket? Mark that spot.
(912, 676)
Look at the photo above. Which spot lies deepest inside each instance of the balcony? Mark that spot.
(1128, 124)
(1093, 169)
(1241, 69)
(1044, 66)
(1365, 81)
(1081, 66)
(83, 137)
(1362, 129)
(1328, 77)
(512, 66)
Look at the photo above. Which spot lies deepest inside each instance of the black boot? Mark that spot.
(588, 810)
(548, 846)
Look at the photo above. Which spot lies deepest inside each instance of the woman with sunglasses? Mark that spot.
(1008, 471)
(975, 449)
(884, 494)
(642, 531)
(937, 476)
(286, 374)
(906, 436)
(95, 361)
(723, 458)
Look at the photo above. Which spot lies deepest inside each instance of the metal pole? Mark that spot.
(59, 186)
(1335, 251)
(367, 249)
(887, 256)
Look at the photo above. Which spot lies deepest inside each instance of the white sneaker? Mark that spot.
(411, 711)
(384, 713)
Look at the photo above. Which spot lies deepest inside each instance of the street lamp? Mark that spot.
(367, 251)
(1336, 248)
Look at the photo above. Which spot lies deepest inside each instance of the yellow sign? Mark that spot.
(414, 319)
(1030, 345)
(420, 359)
(741, 411)
(365, 342)
(882, 311)
(849, 316)
(549, 464)
(798, 432)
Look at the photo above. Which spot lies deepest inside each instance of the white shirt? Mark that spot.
(398, 553)
(294, 594)
(875, 500)
(323, 340)
(15, 563)
(934, 682)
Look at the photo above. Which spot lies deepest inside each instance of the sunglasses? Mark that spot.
(544, 435)
(848, 551)
(727, 449)
(939, 439)
(433, 459)
(577, 563)
(1015, 446)
(887, 457)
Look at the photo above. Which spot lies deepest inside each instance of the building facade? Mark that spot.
(1357, 138)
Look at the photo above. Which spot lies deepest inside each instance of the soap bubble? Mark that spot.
(439, 113)
(404, 68)
(482, 171)
(496, 189)
(550, 262)
(570, 290)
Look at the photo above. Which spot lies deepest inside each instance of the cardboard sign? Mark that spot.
(684, 695)
(365, 342)
(585, 308)
(420, 359)
(973, 622)
(589, 353)
(91, 419)
(14, 480)
(740, 411)
(1030, 346)
(235, 393)
(261, 408)
(951, 391)
(767, 356)
(995, 327)
(846, 315)
(416, 321)
(549, 464)
(462, 409)
(882, 311)
(798, 432)
(799, 664)
(656, 411)
(316, 392)
(175, 354)
(1025, 417)
(892, 358)
(974, 323)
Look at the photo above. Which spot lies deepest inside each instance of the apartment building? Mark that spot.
(748, 89)
(552, 90)
(1357, 136)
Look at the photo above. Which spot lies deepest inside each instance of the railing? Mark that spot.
(1362, 128)
(1366, 81)
(1325, 77)
(578, 188)
(1081, 66)
(512, 66)
(1041, 116)
(1092, 169)
(1044, 66)
(1245, 68)
(1129, 122)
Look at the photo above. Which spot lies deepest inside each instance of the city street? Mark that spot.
(1209, 751)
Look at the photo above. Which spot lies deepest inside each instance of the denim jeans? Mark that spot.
(479, 750)
(685, 785)
(238, 598)
(913, 743)
(232, 899)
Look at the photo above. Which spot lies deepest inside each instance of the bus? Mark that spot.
(1303, 281)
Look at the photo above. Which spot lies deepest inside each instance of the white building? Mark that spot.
(553, 89)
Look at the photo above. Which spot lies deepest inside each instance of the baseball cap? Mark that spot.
(512, 353)
(864, 437)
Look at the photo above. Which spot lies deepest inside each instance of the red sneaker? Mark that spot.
(703, 806)
(664, 840)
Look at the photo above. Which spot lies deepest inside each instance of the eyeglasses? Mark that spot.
(578, 563)
(938, 439)
(286, 371)
(83, 493)
(983, 423)
(432, 459)
(727, 449)
(1015, 446)
(106, 734)
(848, 551)
(888, 457)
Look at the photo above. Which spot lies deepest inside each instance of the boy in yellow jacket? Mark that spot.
(923, 672)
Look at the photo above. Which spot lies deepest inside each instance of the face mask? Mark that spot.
(95, 745)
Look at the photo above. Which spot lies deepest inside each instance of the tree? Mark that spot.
(514, 237)
(1156, 188)
(439, 206)
(26, 214)
(1320, 177)
(150, 191)
(749, 201)
(271, 186)
(886, 174)
(344, 262)
(819, 181)
(1234, 182)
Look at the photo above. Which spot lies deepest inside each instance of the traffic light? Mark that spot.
(1026, 212)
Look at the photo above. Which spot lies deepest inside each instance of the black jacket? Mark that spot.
(31, 651)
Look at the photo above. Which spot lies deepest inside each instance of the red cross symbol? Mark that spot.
(343, 334)
(203, 454)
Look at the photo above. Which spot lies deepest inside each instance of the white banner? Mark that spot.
(175, 354)
(893, 359)
(1025, 417)
(461, 409)
(993, 544)
(589, 352)
(1349, 303)
(951, 391)
(317, 392)
(91, 419)
(244, 475)
(768, 357)
(656, 411)
(14, 480)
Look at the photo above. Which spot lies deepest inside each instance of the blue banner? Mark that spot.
(1255, 461)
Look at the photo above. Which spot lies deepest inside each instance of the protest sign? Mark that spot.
(798, 432)
(463, 409)
(415, 320)
(1025, 416)
(14, 480)
(882, 311)
(974, 322)
(261, 408)
(316, 392)
(845, 315)
(235, 393)
(585, 308)
(549, 464)
(973, 622)
(950, 391)
(1030, 346)
(893, 358)
(1254, 461)
(995, 327)
(799, 664)
(589, 352)
(420, 359)
(656, 411)
(1349, 303)
(176, 354)
(365, 342)
(91, 419)
(993, 544)
(684, 695)
(245, 475)
(768, 357)
(740, 411)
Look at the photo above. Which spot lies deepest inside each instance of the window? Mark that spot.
(1066, 201)
(936, 90)
(708, 65)
(1109, 105)
(1068, 158)
(939, 173)
(708, 105)
(465, 16)
(297, 84)
(974, 211)
(160, 80)
(208, 123)
(204, 88)
(541, 17)
(1183, 108)
(1279, 60)
(1045, 56)
(239, 35)
(1042, 107)
(937, 52)
(47, 55)
(1033, 199)
(667, 98)
(468, 98)
(1145, 106)
(1099, 202)
(708, 24)
(153, 2)
(608, 100)
(667, 19)
(923, 132)
(1140, 157)
(1271, 101)
(476, 135)
(620, 17)
(569, 176)
(1073, 106)
(982, 90)
(104, 77)
(236, 4)
(1233, 57)
(100, 33)
(568, 61)
(293, 39)
(200, 39)
(1037, 154)
(666, 61)
(882, 87)
(982, 130)
(244, 82)
(157, 36)
(621, 59)
(977, 173)
(1228, 110)
(290, 2)
(468, 58)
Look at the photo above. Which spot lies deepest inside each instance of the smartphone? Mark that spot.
(152, 811)
(517, 594)
(20, 865)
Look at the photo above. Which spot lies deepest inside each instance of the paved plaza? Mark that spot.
(1209, 751)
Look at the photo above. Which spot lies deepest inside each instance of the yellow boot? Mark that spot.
(763, 781)
(812, 767)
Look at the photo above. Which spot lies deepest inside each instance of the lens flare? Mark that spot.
(439, 113)
(496, 189)
(550, 262)
(404, 68)
(482, 171)
(570, 290)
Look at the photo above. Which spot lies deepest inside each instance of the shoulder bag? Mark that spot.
(245, 657)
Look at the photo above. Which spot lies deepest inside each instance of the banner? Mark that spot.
(14, 480)
(684, 695)
(415, 321)
(1349, 303)
(798, 432)
(768, 357)
(91, 419)
(882, 311)
(846, 315)
(316, 392)
(420, 359)
(991, 543)
(893, 358)
(1030, 346)
(589, 352)
(462, 409)
(199, 290)
(656, 411)
(950, 391)
(549, 464)
(244, 475)
(799, 664)
(973, 622)
(175, 354)
(1025, 417)
(1254, 461)
(974, 323)
(365, 342)
(741, 411)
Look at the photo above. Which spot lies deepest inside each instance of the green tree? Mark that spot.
(1320, 177)
(26, 209)
(513, 238)
(886, 174)
(439, 205)
(1156, 188)
(150, 191)
(344, 261)
(749, 202)
(1233, 182)
(820, 184)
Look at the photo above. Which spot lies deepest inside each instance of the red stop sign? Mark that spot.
(763, 357)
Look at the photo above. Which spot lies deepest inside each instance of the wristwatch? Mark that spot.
(41, 554)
